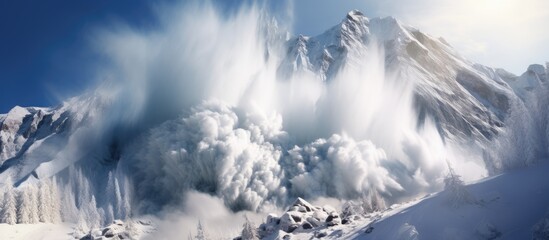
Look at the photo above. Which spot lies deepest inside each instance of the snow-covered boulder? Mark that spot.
(120, 230)
(301, 217)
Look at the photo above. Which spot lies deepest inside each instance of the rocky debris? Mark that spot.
(116, 230)
(301, 216)
(320, 234)
(119, 230)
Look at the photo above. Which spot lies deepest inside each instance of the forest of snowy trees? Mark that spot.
(30, 204)
(41, 202)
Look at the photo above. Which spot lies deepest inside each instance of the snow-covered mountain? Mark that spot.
(470, 101)
(141, 140)
(31, 136)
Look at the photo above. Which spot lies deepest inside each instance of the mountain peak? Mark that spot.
(353, 29)
(356, 16)
(17, 112)
(354, 13)
(537, 68)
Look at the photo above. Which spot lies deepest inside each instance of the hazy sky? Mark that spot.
(45, 54)
(510, 34)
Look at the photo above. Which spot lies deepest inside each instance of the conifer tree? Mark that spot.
(82, 225)
(69, 212)
(249, 231)
(33, 196)
(117, 199)
(55, 202)
(200, 232)
(94, 219)
(109, 214)
(44, 205)
(2, 191)
(458, 193)
(23, 206)
(9, 209)
(125, 205)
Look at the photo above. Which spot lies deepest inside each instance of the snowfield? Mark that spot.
(41, 231)
(513, 205)
(131, 229)
(507, 206)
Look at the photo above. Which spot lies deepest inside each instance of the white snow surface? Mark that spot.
(69, 231)
(41, 231)
(507, 207)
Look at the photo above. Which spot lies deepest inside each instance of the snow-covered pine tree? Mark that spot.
(109, 214)
(457, 192)
(126, 206)
(55, 202)
(83, 188)
(115, 196)
(201, 232)
(102, 218)
(373, 202)
(9, 208)
(44, 205)
(111, 197)
(23, 206)
(2, 190)
(249, 231)
(117, 199)
(352, 208)
(378, 203)
(93, 217)
(69, 212)
(81, 226)
(33, 197)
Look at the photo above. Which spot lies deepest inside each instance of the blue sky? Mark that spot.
(45, 53)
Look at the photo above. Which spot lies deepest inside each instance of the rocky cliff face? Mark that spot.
(21, 127)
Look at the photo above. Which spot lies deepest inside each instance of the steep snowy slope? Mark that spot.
(24, 130)
(466, 100)
(32, 136)
(514, 205)
(507, 206)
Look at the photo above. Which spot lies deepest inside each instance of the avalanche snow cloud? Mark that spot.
(202, 104)
(209, 102)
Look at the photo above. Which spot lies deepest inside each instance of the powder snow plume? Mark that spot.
(206, 102)
(204, 105)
